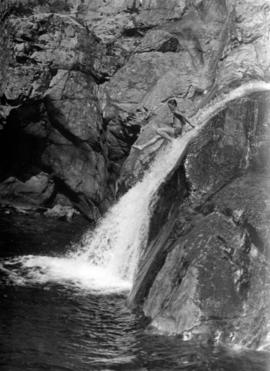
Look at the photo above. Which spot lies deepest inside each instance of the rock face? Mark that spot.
(50, 72)
(81, 81)
(205, 272)
(211, 282)
(35, 191)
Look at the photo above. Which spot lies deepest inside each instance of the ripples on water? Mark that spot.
(60, 327)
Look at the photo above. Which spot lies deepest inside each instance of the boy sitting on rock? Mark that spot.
(173, 130)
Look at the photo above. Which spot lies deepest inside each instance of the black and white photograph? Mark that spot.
(134, 185)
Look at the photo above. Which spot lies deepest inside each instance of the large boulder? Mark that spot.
(72, 106)
(35, 191)
(215, 274)
(205, 267)
(49, 97)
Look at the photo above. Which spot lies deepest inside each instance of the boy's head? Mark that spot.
(172, 104)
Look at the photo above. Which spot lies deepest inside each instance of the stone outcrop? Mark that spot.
(205, 271)
(36, 191)
(51, 68)
(79, 80)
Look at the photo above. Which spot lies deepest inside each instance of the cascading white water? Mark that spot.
(116, 243)
(109, 256)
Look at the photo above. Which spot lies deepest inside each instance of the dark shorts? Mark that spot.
(178, 131)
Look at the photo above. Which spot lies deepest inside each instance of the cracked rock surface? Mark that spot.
(81, 81)
(205, 271)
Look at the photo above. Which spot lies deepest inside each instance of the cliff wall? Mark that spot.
(79, 80)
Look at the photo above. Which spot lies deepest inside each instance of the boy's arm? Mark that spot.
(144, 145)
(188, 122)
(181, 117)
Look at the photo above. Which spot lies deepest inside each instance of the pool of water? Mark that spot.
(53, 326)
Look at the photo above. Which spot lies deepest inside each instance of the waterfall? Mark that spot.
(117, 241)
(122, 234)
(109, 255)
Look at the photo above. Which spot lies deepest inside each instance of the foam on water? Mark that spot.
(120, 237)
(109, 255)
(31, 270)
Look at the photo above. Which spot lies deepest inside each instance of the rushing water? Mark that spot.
(65, 310)
(55, 327)
(107, 258)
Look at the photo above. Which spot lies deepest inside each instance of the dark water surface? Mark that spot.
(55, 327)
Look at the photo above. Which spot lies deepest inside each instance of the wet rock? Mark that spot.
(130, 84)
(215, 272)
(158, 40)
(72, 107)
(208, 281)
(60, 42)
(115, 18)
(246, 55)
(71, 166)
(61, 212)
(241, 64)
(60, 52)
(35, 191)
(221, 152)
(71, 56)
(25, 82)
(49, 93)
(206, 268)
(53, 38)
(155, 13)
(249, 206)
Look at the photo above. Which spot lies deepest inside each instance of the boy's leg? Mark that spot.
(167, 133)
(151, 141)
(162, 133)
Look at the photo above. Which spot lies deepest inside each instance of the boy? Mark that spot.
(173, 130)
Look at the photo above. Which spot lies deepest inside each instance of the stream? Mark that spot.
(61, 326)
